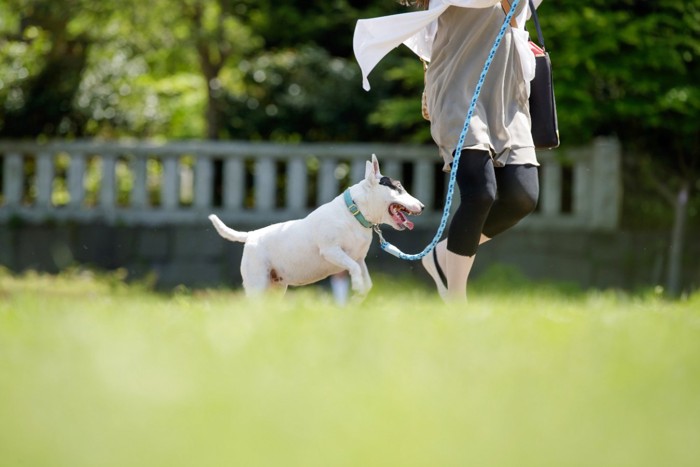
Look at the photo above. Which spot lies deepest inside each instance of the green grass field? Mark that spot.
(94, 372)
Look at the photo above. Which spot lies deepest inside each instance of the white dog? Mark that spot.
(333, 238)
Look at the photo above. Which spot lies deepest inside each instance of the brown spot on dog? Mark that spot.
(274, 277)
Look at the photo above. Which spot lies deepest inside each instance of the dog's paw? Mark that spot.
(361, 287)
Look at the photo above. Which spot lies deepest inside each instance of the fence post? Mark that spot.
(13, 179)
(76, 179)
(139, 194)
(551, 188)
(265, 178)
(327, 183)
(108, 182)
(203, 182)
(44, 179)
(582, 203)
(606, 186)
(296, 184)
(169, 190)
(234, 184)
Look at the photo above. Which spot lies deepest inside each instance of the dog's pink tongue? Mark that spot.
(401, 219)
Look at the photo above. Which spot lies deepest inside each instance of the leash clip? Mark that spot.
(386, 246)
(376, 228)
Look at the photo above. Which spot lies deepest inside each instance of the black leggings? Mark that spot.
(492, 199)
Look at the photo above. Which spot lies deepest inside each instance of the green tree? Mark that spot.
(219, 37)
(301, 94)
(330, 24)
(44, 47)
(304, 83)
(631, 69)
(178, 68)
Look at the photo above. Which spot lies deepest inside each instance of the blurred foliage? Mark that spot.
(180, 69)
(284, 70)
(631, 69)
(303, 94)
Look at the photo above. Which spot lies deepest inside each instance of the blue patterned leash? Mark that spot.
(391, 249)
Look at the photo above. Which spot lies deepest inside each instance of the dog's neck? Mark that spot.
(355, 210)
(359, 195)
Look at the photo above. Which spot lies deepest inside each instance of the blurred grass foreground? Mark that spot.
(95, 372)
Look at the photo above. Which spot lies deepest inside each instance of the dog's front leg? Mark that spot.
(336, 255)
(365, 275)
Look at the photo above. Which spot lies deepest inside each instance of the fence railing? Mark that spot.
(259, 183)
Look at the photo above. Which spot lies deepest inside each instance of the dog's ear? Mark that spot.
(372, 170)
(372, 174)
(375, 164)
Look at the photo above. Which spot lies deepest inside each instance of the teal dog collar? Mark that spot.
(354, 210)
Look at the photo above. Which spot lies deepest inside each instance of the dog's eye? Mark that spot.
(386, 181)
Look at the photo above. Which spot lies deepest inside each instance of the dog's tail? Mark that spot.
(227, 232)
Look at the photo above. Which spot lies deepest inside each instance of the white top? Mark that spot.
(500, 124)
(376, 37)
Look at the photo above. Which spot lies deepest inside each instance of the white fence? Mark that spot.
(182, 182)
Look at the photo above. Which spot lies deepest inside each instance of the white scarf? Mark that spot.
(376, 37)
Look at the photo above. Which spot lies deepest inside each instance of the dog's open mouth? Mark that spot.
(398, 213)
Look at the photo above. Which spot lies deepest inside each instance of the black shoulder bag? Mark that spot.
(543, 106)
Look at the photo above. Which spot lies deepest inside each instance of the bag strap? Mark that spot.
(540, 37)
(505, 4)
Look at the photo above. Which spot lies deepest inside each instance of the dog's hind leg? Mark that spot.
(255, 284)
(255, 273)
(258, 275)
(264, 283)
(336, 255)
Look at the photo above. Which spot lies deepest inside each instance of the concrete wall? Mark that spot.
(194, 255)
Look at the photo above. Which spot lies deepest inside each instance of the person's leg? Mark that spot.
(477, 186)
(518, 191)
(435, 264)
